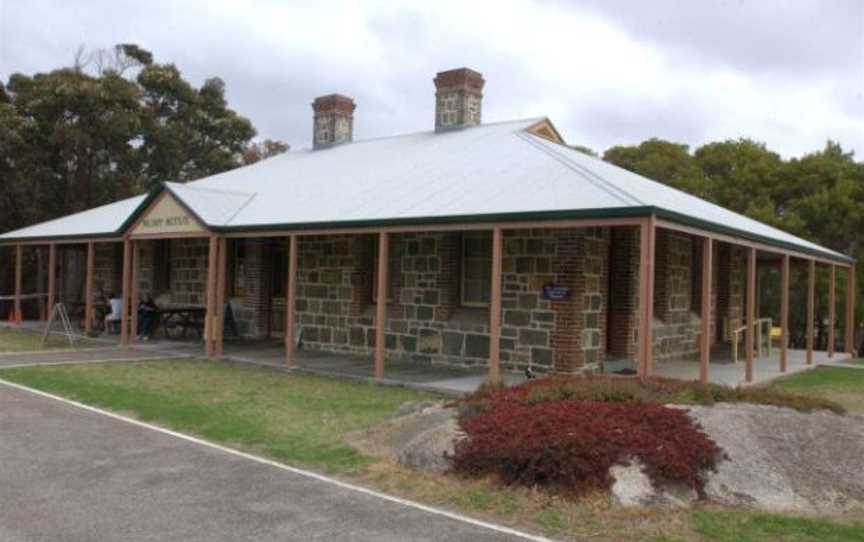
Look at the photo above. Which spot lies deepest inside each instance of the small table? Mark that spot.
(181, 317)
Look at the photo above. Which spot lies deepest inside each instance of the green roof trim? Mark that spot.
(613, 212)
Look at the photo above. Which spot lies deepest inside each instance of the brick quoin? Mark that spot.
(623, 293)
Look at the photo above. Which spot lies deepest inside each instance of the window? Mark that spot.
(393, 269)
(476, 269)
(162, 266)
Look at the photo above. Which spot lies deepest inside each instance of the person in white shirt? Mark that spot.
(116, 313)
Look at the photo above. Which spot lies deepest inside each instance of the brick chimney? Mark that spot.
(458, 99)
(333, 121)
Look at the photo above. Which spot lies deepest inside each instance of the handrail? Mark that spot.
(759, 325)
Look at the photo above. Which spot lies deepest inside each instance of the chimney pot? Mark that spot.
(333, 121)
(458, 99)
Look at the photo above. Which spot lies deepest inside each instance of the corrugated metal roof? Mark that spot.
(492, 170)
(213, 207)
(96, 222)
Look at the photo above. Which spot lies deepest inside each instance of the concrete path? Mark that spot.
(87, 355)
(72, 474)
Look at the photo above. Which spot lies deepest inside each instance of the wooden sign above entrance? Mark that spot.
(167, 216)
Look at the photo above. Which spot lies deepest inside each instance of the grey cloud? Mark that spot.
(272, 76)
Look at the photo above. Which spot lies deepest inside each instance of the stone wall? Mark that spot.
(732, 275)
(425, 320)
(676, 318)
(252, 310)
(108, 268)
(189, 262)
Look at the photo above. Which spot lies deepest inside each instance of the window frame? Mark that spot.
(463, 257)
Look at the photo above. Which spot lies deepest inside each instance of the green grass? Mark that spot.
(296, 419)
(22, 340)
(735, 526)
(842, 385)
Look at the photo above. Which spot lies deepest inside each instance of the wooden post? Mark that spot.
(210, 319)
(52, 266)
(850, 310)
(61, 275)
(705, 332)
(495, 307)
(811, 307)
(134, 294)
(832, 309)
(40, 274)
(784, 314)
(381, 303)
(291, 302)
(751, 313)
(88, 289)
(646, 297)
(221, 274)
(19, 258)
(127, 291)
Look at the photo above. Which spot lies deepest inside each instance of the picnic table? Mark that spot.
(178, 320)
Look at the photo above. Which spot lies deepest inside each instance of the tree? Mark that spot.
(819, 197)
(188, 133)
(740, 175)
(664, 161)
(112, 125)
(584, 150)
(261, 150)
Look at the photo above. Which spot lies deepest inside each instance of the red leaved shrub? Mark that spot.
(570, 445)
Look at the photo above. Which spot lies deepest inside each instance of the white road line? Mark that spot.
(294, 470)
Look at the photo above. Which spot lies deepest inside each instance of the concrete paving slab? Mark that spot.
(76, 475)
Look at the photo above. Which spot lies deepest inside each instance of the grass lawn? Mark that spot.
(845, 386)
(24, 340)
(732, 526)
(306, 420)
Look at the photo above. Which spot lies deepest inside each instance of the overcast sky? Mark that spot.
(607, 72)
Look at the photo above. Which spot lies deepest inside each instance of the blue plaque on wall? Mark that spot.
(555, 292)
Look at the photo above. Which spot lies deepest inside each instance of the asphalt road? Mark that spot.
(69, 474)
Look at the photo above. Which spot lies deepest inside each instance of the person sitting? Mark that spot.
(146, 317)
(113, 317)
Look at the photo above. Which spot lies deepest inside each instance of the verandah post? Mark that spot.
(646, 296)
(127, 297)
(850, 310)
(495, 308)
(784, 314)
(291, 301)
(705, 337)
(751, 313)
(52, 265)
(19, 257)
(811, 304)
(381, 307)
(210, 319)
(133, 289)
(221, 271)
(88, 288)
(832, 309)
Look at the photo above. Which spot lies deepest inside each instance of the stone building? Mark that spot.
(492, 245)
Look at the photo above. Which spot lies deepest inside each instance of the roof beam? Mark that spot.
(666, 224)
